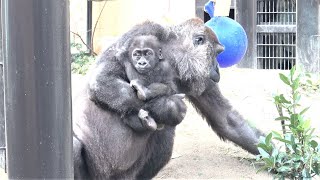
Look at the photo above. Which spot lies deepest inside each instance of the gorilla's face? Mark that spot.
(195, 58)
(145, 53)
(144, 59)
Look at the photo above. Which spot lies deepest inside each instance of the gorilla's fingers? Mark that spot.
(181, 95)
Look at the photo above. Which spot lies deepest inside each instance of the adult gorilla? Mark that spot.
(105, 148)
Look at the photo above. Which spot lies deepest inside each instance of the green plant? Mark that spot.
(311, 83)
(81, 60)
(298, 156)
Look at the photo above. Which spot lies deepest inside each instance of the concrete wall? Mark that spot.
(246, 16)
(308, 15)
(120, 15)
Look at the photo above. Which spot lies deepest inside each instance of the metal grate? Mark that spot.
(276, 50)
(276, 34)
(276, 12)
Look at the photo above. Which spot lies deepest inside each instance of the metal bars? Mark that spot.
(276, 12)
(276, 50)
(276, 34)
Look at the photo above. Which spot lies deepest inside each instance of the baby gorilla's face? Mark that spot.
(144, 59)
(144, 53)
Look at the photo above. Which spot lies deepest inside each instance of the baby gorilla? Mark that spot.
(149, 74)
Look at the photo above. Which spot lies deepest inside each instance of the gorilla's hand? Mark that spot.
(168, 110)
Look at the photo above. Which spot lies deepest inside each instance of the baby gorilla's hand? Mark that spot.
(135, 84)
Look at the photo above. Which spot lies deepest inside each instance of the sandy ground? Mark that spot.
(200, 154)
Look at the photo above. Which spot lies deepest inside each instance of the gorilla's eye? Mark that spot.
(136, 53)
(198, 40)
(148, 53)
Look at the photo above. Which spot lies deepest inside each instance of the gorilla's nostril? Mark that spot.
(142, 63)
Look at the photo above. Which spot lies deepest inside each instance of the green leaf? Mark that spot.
(284, 79)
(309, 82)
(263, 146)
(297, 96)
(304, 110)
(275, 153)
(293, 119)
(268, 139)
(263, 153)
(284, 169)
(296, 84)
(308, 75)
(306, 124)
(276, 134)
(313, 144)
(283, 140)
(282, 118)
(316, 168)
(283, 99)
(269, 161)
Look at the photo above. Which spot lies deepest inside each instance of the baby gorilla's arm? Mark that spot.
(152, 91)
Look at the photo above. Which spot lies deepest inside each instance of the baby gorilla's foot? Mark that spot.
(146, 120)
(139, 88)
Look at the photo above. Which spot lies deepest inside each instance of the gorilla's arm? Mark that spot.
(224, 120)
(108, 87)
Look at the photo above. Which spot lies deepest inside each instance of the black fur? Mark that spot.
(150, 75)
(109, 149)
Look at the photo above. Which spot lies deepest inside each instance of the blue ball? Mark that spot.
(232, 36)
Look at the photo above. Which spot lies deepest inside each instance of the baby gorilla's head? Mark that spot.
(145, 52)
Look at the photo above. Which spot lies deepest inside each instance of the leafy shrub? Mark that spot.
(80, 59)
(298, 156)
(311, 84)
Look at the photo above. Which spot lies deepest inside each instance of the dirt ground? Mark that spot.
(200, 154)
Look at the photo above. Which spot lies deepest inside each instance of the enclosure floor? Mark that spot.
(200, 154)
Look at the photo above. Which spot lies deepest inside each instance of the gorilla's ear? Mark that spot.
(219, 48)
(215, 73)
(160, 54)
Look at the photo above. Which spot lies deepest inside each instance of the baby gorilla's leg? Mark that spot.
(134, 122)
(147, 120)
(140, 124)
